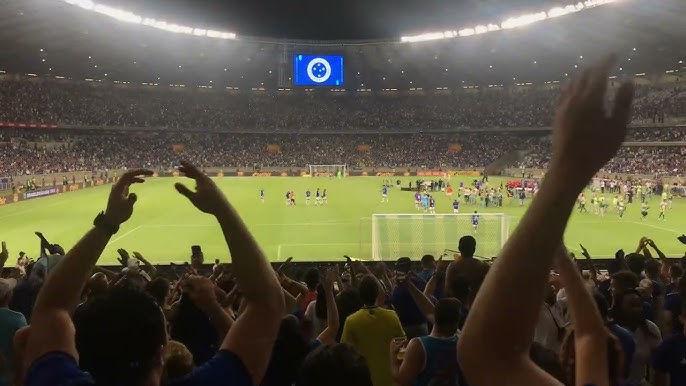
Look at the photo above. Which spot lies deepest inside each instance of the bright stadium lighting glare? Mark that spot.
(130, 17)
(508, 23)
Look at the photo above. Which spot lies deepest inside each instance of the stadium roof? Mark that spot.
(54, 38)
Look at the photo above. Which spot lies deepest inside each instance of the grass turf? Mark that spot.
(164, 224)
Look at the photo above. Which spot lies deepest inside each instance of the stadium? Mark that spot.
(353, 141)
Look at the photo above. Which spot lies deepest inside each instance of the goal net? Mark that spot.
(328, 170)
(415, 235)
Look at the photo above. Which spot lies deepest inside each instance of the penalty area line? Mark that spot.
(124, 235)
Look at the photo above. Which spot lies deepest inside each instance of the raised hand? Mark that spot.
(331, 277)
(4, 254)
(585, 137)
(120, 202)
(207, 197)
(201, 291)
(123, 257)
(584, 251)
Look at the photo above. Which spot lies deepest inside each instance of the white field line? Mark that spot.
(124, 235)
(656, 227)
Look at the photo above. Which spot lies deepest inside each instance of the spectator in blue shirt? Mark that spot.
(123, 334)
(411, 317)
(669, 360)
(428, 268)
(10, 323)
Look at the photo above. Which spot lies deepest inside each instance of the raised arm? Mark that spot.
(51, 327)
(147, 267)
(203, 293)
(328, 336)
(591, 266)
(253, 334)
(590, 336)
(422, 301)
(584, 139)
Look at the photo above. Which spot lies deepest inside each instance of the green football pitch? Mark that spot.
(164, 224)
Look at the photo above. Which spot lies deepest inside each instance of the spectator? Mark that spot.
(431, 359)
(627, 311)
(335, 365)
(10, 323)
(52, 349)
(413, 321)
(669, 356)
(428, 268)
(371, 330)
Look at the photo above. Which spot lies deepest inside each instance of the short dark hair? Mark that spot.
(369, 290)
(428, 259)
(335, 365)
(601, 303)
(614, 266)
(158, 288)
(625, 280)
(675, 271)
(636, 262)
(118, 336)
(652, 267)
(467, 246)
(447, 312)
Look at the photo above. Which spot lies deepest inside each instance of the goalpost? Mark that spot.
(415, 235)
(328, 170)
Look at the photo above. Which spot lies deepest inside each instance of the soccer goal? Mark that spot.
(328, 170)
(414, 235)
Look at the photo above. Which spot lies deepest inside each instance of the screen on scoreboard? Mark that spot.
(318, 70)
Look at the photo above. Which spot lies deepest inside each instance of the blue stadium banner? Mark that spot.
(318, 70)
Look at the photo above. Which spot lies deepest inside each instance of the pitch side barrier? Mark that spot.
(51, 190)
(47, 191)
(299, 173)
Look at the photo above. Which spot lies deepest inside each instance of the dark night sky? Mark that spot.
(331, 19)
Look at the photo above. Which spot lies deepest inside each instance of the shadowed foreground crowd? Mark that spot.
(467, 322)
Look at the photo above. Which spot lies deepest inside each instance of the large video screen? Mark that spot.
(318, 70)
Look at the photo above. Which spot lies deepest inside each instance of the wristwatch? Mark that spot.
(103, 223)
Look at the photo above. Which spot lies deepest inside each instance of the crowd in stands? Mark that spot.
(93, 104)
(64, 321)
(32, 151)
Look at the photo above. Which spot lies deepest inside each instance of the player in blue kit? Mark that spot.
(432, 205)
(475, 221)
(384, 194)
(456, 206)
(417, 200)
(307, 197)
(425, 202)
(317, 198)
(262, 195)
(324, 197)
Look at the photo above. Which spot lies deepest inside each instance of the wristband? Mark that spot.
(103, 223)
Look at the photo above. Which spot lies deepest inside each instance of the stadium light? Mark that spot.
(130, 17)
(511, 22)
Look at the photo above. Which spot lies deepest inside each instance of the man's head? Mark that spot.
(675, 272)
(447, 315)
(120, 337)
(403, 264)
(636, 263)
(97, 285)
(6, 289)
(467, 246)
(428, 262)
(652, 268)
(335, 365)
(369, 290)
(623, 281)
(159, 288)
